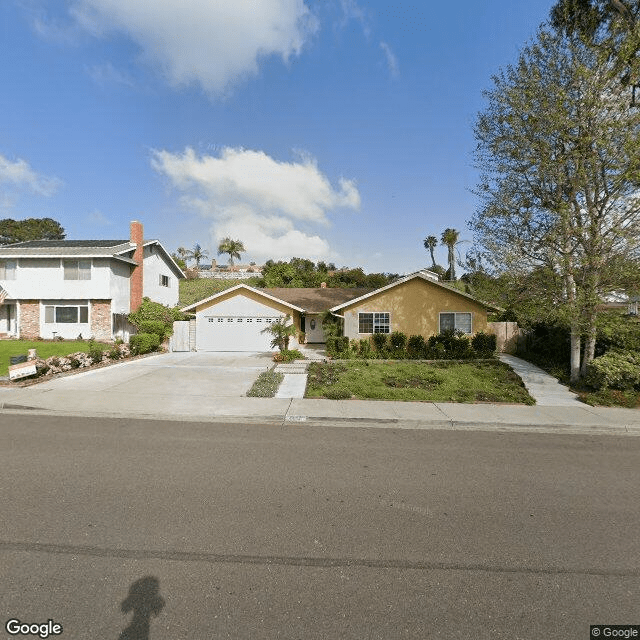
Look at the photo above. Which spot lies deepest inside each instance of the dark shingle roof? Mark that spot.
(316, 300)
(62, 244)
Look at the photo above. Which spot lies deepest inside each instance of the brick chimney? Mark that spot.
(136, 238)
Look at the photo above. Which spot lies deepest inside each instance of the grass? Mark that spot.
(474, 381)
(610, 398)
(193, 290)
(44, 349)
(266, 384)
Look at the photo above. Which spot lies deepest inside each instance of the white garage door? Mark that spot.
(234, 333)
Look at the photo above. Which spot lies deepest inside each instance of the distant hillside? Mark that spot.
(193, 290)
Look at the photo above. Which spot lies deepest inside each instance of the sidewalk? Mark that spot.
(178, 391)
(201, 407)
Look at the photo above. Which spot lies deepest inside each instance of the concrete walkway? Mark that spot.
(545, 389)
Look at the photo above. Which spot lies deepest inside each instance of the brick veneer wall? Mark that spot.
(29, 319)
(136, 237)
(101, 319)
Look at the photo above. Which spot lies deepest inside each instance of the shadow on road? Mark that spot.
(144, 599)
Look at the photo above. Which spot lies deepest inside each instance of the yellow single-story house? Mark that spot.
(235, 319)
(418, 304)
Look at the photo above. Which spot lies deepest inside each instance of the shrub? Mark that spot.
(379, 341)
(416, 347)
(288, 355)
(484, 344)
(95, 351)
(615, 370)
(144, 343)
(153, 326)
(364, 348)
(155, 312)
(397, 340)
(337, 346)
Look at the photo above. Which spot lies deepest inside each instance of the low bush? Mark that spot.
(484, 344)
(266, 385)
(95, 351)
(417, 347)
(614, 370)
(153, 326)
(288, 355)
(379, 341)
(144, 343)
(397, 340)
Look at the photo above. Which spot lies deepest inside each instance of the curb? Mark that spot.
(338, 422)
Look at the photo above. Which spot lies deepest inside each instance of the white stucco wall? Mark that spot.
(120, 287)
(67, 330)
(156, 265)
(40, 277)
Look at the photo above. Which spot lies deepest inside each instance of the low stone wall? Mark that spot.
(509, 335)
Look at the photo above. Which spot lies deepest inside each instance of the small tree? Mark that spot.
(282, 331)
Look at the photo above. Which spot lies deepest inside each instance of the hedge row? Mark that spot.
(445, 346)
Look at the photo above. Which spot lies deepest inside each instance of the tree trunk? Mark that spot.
(575, 353)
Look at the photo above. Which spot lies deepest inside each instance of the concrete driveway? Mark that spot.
(183, 374)
(174, 384)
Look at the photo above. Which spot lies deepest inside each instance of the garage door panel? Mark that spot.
(234, 333)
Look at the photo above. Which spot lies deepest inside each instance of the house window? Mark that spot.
(7, 269)
(455, 322)
(66, 314)
(164, 281)
(77, 269)
(374, 323)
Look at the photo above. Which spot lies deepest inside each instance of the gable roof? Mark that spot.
(246, 287)
(317, 300)
(426, 276)
(121, 250)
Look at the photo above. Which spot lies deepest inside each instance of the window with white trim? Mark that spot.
(8, 269)
(164, 281)
(455, 321)
(77, 269)
(66, 314)
(374, 322)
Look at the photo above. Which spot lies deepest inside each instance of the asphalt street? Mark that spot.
(147, 530)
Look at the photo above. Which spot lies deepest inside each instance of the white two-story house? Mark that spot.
(72, 288)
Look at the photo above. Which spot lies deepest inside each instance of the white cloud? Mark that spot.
(250, 196)
(215, 44)
(392, 60)
(19, 174)
(106, 74)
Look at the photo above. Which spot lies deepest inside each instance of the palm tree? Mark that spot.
(430, 243)
(197, 254)
(450, 238)
(183, 253)
(281, 332)
(233, 247)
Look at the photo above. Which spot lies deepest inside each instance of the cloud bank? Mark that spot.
(213, 44)
(18, 174)
(254, 198)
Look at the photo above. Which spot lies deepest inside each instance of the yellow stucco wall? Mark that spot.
(414, 309)
(256, 297)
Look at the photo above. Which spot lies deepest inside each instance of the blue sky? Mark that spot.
(339, 130)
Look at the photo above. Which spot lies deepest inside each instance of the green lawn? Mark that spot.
(44, 349)
(482, 381)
